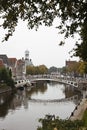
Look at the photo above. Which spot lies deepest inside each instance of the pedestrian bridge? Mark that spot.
(53, 78)
(21, 83)
(47, 77)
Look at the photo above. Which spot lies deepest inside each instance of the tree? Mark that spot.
(64, 70)
(82, 68)
(73, 15)
(41, 69)
(53, 69)
(6, 77)
(30, 70)
(73, 69)
(59, 124)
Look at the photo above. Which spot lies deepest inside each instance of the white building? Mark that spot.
(28, 61)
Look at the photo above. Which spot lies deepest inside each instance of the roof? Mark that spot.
(12, 61)
(1, 63)
(68, 63)
(20, 61)
(5, 59)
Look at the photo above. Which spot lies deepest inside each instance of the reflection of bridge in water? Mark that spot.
(75, 97)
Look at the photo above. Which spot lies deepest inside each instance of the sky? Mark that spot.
(43, 45)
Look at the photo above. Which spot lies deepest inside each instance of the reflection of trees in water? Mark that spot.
(21, 98)
(12, 101)
(71, 91)
(68, 90)
(53, 83)
(5, 103)
(41, 86)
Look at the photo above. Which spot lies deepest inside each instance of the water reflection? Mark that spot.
(53, 90)
(6, 100)
(18, 112)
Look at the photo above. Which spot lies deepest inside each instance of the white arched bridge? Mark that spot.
(65, 80)
(21, 83)
(53, 78)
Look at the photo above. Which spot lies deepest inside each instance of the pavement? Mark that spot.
(79, 110)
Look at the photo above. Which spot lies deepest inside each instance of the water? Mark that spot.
(18, 112)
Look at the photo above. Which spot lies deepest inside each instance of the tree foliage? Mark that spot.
(73, 15)
(53, 69)
(59, 124)
(41, 69)
(77, 68)
(74, 69)
(5, 76)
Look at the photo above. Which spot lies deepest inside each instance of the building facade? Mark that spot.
(28, 61)
(18, 67)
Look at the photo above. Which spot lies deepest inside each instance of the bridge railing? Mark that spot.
(63, 79)
(22, 82)
(57, 78)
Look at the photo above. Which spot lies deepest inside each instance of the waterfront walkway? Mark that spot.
(78, 112)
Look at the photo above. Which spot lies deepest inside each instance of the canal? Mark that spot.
(22, 110)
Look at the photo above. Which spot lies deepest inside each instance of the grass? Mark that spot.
(85, 118)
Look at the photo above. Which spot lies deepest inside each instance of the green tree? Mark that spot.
(30, 70)
(6, 77)
(82, 68)
(73, 69)
(73, 15)
(3, 74)
(37, 70)
(10, 72)
(53, 69)
(43, 69)
(63, 70)
(59, 124)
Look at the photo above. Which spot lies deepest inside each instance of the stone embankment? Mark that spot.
(4, 88)
(3, 91)
(78, 112)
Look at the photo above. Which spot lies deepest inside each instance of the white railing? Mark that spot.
(64, 80)
(19, 83)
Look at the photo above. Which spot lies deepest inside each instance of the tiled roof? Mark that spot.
(68, 63)
(12, 61)
(20, 61)
(5, 59)
(1, 63)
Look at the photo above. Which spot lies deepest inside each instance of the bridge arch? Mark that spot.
(54, 78)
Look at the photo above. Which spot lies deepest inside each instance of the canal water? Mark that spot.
(22, 110)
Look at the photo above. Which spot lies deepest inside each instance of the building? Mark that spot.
(5, 60)
(20, 69)
(71, 67)
(28, 61)
(1, 63)
(13, 65)
(17, 67)
(70, 63)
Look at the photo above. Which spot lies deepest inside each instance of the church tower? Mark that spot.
(28, 62)
(26, 55)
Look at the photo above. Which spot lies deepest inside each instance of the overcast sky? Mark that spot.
(42, 45)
